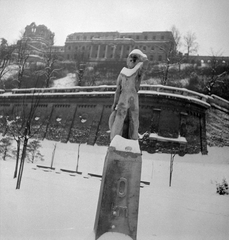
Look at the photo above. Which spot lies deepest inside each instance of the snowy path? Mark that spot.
(68, 81)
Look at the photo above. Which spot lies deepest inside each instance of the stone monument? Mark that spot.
(118, 203)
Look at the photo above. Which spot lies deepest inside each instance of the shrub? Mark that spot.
(222, 189)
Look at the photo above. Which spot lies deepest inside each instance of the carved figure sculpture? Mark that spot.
(124, 119)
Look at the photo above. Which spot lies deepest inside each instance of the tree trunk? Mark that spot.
(171, 168)
(33, 157)
(53, 154)
(4, 154)
(17, 158)
(166, 75)
(78, 158)
(22, 163)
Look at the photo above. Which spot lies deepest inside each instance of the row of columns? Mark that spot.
(106, 51)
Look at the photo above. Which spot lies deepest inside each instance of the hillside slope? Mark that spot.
(217, 124)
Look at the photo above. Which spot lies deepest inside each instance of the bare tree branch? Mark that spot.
(190, 43)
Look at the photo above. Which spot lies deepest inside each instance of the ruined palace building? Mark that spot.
(97, 47)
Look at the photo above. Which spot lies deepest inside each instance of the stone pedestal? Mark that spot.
(118, 202)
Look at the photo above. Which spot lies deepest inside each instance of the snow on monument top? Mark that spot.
(114, 236)
(125, 145)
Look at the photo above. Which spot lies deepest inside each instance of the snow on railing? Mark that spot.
(220, 99)
(104, 88)
(174, 90)
(219, 102)
(165, 91)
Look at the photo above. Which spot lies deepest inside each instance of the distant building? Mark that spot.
(39, 41)
(106, 46)
(206, 60)
(59, 51)
(39, 35)
(97, 47)
(36, 41)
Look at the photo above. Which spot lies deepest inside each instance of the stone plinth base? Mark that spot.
(118, 203)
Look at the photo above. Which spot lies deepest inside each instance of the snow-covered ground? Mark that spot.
(56, 205)
(68, 81)
(10, 71)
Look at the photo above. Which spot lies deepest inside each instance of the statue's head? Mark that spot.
(135, 57)
(132, 60)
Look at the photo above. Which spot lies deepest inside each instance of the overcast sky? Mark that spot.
(208, 19)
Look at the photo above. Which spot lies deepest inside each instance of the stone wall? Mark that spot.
(84, 119)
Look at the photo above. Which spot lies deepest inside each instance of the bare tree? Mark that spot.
(177, 38)
(22, 54)
(190, 44)
(13, 130)
(216, 77)
(5, 147)
(81, 58)
(26, 134)
(22, 127)
(50, 69)
(169, 52)
(178, 56)
(34, 151)
(5, 58)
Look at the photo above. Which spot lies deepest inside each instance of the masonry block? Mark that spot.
(118, 203)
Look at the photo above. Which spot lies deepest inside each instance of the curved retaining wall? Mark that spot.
(82, 116)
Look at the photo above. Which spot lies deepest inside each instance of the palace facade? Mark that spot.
(107, 46)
